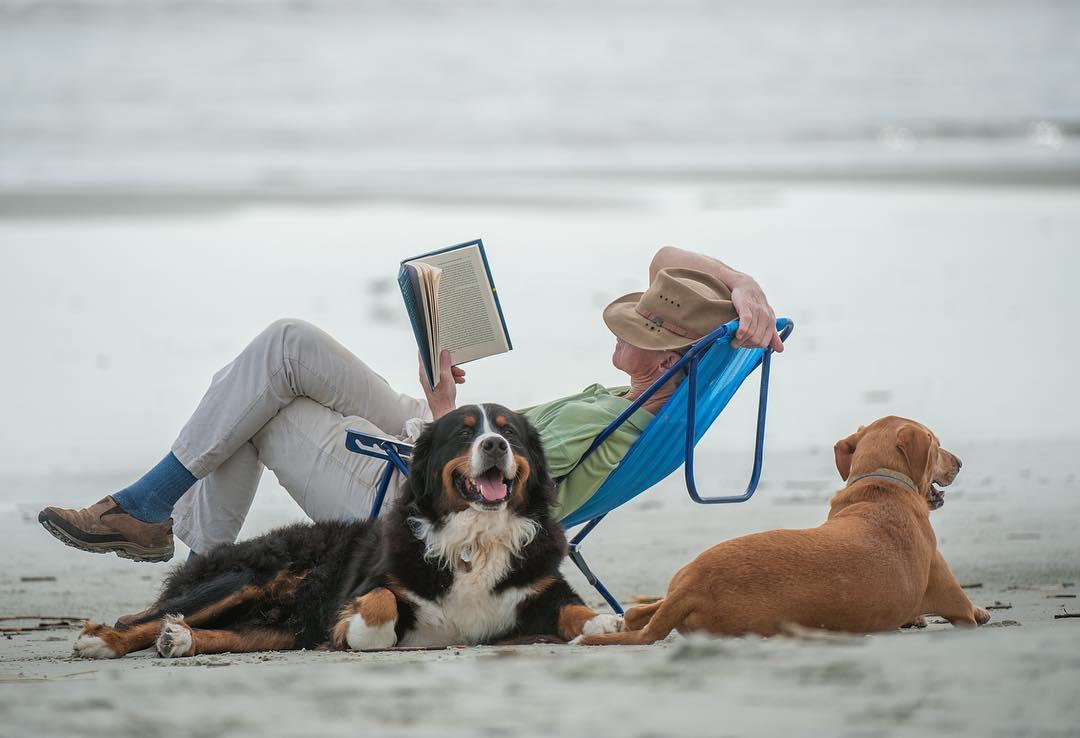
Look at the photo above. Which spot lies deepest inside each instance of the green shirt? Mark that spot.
(569, 425)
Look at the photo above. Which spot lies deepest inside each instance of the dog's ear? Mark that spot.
(844, 450)
(915, 443)
(420, 461)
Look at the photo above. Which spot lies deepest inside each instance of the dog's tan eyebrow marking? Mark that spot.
(470, 420)
(500, 420)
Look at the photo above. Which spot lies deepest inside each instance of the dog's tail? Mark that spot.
(199, 596)
(663, 617)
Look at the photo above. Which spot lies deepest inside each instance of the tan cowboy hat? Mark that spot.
(680, 306)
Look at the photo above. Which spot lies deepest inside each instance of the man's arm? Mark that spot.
(757, 321)
(669, 256)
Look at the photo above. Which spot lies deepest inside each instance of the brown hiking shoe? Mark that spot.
(105, 527)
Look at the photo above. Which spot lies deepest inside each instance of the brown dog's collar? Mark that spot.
(889, 475)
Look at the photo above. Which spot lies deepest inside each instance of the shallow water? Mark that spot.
(325, 97)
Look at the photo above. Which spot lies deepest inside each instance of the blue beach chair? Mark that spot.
(714, 372)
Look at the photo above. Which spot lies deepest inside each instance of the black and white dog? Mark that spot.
(470, 554)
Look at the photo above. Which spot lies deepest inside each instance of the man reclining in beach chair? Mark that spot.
(286, 401)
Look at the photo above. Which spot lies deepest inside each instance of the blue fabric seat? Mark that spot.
(714, 372)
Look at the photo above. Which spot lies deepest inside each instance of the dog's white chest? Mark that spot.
(481, 547)
(469, 613)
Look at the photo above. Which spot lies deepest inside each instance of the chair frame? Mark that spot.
(396, 453)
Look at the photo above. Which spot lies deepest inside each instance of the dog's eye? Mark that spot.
(507, 431)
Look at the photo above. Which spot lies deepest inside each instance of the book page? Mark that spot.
(430, 279)
(412, 293)
(469, 325)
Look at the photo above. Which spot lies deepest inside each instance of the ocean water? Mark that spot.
(420, 98)
(575, 138)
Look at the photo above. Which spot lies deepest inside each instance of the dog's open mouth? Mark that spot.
(935, 497)
(489, 489)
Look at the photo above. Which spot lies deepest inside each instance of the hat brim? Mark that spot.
(627, 323)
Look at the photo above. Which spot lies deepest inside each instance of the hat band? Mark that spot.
(658, 321)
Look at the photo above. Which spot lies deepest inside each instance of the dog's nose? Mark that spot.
(493, 445)
(958, 462)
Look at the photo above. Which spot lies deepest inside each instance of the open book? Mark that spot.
(452, 305)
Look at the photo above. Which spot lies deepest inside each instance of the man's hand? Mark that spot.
(443, 398)
(757, 321)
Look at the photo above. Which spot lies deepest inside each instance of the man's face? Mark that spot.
(638, 361)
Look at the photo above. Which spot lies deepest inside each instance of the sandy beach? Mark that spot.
(1011, 541)
(932, 329)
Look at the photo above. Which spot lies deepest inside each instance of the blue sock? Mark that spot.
(152, 497)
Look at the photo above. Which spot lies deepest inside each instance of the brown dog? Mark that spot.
(873, 565)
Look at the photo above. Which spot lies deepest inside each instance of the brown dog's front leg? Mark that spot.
(945, 597)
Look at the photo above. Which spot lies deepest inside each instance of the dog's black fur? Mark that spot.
(333, 563)
(332, 557)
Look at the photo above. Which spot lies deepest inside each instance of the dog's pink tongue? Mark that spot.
(491, 485)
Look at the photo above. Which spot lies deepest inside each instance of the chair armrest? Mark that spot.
(368, 444)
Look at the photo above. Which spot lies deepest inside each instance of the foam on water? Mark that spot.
(326, 97)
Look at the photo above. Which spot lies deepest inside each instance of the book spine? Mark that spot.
(495, 294)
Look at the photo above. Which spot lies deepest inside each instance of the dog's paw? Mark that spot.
(91, 645)
(603, 623)
(363, 637)
(982, 617)
(918, 622)
(175, 638)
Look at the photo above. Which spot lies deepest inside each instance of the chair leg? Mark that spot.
(380, 493)
(579, 561)
(759, 441)
(591, 578)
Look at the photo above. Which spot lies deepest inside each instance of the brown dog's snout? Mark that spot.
(947, 467)
(955, 459)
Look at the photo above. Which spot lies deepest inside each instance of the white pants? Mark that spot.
(284, 403)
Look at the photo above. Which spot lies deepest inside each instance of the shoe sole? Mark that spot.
(123, 549)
